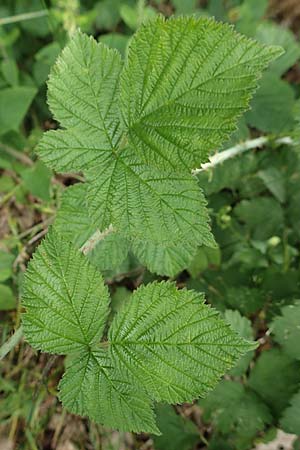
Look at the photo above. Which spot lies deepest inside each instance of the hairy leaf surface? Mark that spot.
(147, 203)
(82, 95)
(136, 132)
(183, 87)
(73, 223)
(65, 299)
(174, 344)
(163, 344)
(92, 386)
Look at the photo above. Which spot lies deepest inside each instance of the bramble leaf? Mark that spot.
(92, 386)
(146, 203)
(82, 95)
(183, 87)
(136, 132)
(163, 344)
(73, 223)
(65, 299)
(168, 258)
(175, 346)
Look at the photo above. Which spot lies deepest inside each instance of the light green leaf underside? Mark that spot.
(73, 222)
(92, 387)
(173, 344)
(65, 299)
(147, 203)
(185, 83)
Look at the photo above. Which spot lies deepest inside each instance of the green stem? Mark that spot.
(11, 342)
(22, 17)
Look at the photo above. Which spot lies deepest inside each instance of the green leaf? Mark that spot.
(75, 225)
(115, 40)
(91, 386)
(177, 433)
(236, 412)
(81, 91)
(269, 33)
(243, 327)
(7, 298)
(272, 106)
(246, 299)
(186, 7)
(143, 187)
(179, 350)
(6, 263)
(37, 180)
(37, 26)
(290, 421)
(203, 258)
(10, 71)
(275, 377)
(183, 98)
(133, 18)
(286, 329)
(160, 207)
(14, 103)
(44, 59)
(256, 212)
(274, 181)
(65, 299)
(168, 258)
(163, 344)
(108, 13)
(250, 13)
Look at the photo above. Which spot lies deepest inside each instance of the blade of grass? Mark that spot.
(11, 342)
(22, 17)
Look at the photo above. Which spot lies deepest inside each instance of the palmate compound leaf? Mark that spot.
(136, 132)
(163, 344)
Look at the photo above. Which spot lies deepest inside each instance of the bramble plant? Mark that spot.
(136, 130)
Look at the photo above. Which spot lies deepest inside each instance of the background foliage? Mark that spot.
(252, 278)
